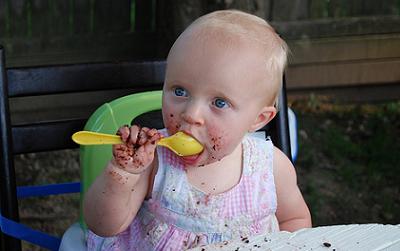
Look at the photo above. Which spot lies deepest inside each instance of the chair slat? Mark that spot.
(46, 136)
(84, 77)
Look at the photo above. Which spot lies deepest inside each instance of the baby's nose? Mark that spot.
(193, 115)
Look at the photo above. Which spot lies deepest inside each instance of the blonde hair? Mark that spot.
(225, 23)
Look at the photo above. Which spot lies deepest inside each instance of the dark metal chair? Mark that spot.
(16, 139)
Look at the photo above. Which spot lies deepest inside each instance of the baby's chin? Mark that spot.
(209, 161)
(198, 160)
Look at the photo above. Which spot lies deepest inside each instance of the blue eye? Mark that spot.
(220, 103)
(180, 92)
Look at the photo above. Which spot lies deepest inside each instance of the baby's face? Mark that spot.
(213, 94)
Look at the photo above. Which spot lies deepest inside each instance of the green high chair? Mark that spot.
(106, 119)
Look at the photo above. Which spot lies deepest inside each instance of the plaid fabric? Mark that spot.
(179, 216)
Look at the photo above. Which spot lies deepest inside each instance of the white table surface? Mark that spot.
(338, 237)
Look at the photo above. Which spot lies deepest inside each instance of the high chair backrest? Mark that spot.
(107, 119)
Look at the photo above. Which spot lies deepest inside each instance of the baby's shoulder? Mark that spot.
(282, 167)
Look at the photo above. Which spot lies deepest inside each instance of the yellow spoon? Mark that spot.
(180, 143)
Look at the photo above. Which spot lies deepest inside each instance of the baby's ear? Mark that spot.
(266, 114)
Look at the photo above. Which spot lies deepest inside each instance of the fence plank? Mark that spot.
(61, 17)
(40, 18)
(81, 49)
(353, 8)
(322, 51)
(383, 7)
(379, 92)
(318, 9)
(122, 15)
(82, 16)
(289, 10)
(260, 8)
(143, 15)
(338, 27)
(356, 8)
(18, 17)
(344, 74)
(341, 8)
(3, 19)
(111, 16)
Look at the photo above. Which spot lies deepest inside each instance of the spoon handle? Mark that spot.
(95, 138)
(180, 143)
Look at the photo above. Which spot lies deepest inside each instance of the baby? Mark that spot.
(223, 76)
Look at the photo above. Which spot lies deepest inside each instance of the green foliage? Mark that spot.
(349, 161)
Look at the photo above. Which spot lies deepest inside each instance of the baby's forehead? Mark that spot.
(232, 34)
(234, 24)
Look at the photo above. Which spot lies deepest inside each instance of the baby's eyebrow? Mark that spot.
(175, 82)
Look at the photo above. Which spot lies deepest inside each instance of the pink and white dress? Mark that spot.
(178, 216)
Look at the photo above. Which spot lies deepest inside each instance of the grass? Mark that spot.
(348, 168)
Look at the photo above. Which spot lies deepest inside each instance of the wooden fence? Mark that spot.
(37, 18)
(52, 18)
(345, 50)
(337, 45)
(36, 32)
(287, 10)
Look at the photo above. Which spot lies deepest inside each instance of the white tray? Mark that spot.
(339, 237)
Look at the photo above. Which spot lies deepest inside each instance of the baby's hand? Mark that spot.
(137, 152)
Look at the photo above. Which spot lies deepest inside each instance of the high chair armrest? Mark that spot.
(28, 234)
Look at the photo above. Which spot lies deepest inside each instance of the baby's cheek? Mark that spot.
(172, 124)
(219, 143)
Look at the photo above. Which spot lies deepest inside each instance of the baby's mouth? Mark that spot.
(190, 160)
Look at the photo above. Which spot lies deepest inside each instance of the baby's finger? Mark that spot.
(155, 138)
(142, 136)
(134, 134)
(123, 131)
(152, 132)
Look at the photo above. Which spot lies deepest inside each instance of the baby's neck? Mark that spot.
(219, 176)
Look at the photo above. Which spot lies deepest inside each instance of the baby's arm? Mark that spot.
(114, 198)
(292, 211)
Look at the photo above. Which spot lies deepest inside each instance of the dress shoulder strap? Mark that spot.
(257, 154)
(258, 168)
